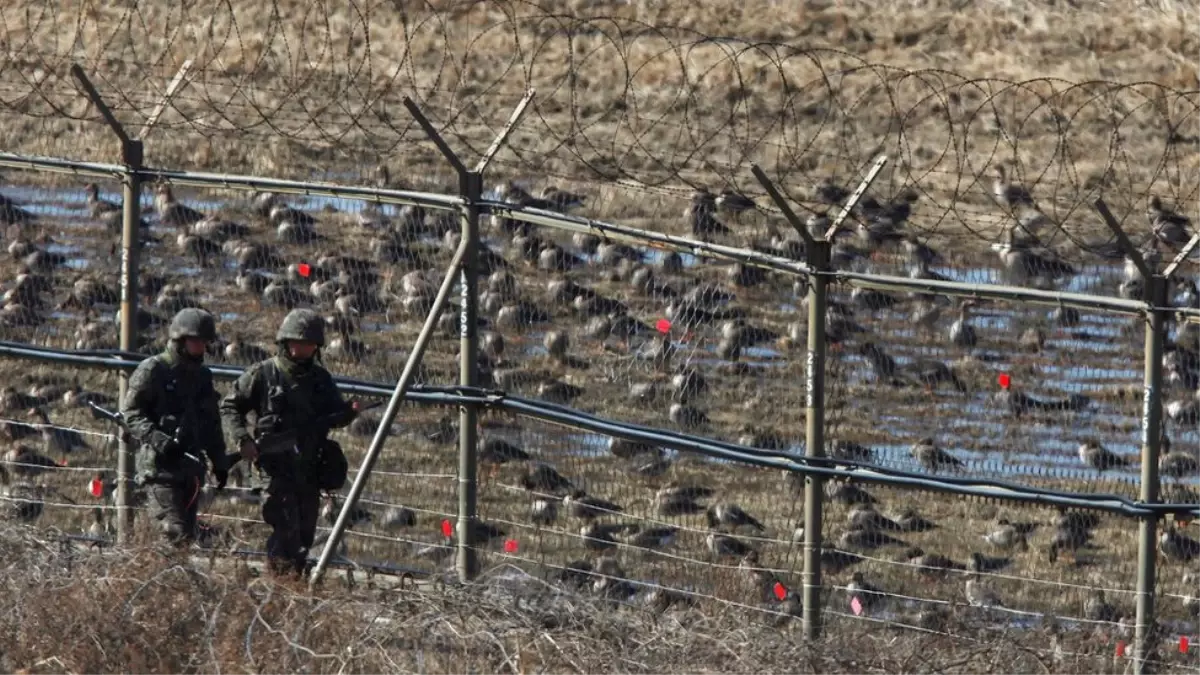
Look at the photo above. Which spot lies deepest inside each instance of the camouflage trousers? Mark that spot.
(291, 509)
(176, 506)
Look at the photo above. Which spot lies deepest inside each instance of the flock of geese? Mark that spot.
(588, 297)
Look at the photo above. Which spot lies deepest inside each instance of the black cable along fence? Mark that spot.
(994, 381)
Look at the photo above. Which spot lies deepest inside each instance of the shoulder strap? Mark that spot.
(277, 376)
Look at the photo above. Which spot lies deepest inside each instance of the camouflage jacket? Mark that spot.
(166, 397)
(284, 397)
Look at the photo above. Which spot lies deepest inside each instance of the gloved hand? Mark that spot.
(169, 447)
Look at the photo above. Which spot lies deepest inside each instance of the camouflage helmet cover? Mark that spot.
(302, 324)
(193, 322)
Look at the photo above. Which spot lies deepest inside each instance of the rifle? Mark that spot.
(117, 418)
(285, 442)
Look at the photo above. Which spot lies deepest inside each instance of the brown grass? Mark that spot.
(142, 610)
(635, 92)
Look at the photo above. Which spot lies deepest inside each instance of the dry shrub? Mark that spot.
(68, 610)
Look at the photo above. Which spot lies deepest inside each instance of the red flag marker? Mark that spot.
(510, 545)
(1120, 649)
(447, 529)
(304, 269)
(663, 326)
(96, 487)
(856, 606)
(1183, 644)
(780, 591)
(1004, 380)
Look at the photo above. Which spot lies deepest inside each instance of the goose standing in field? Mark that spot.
(58, 440)
(932, 565)
(962, 333)
(1178, 546)
(196, 246)
(721, 545)
(1171, 228)
(731, 516)
(933, 458)
(561, 200)
(701, 216)
(1008, 535)
(1025, 262)
(867, 539)
(293, 226)
(543, 511)
(866, 517)
(172, 212)
(544, 478)
(23, 460)
(1178, 465)
(1100, 458)
(21, 501)
(100, 528)
(585, 507)
(842, 492)
(735, 203)
(108, 213)
(979, 594)
(910, 521)
(870, 597)
(1009, 195)
(654, 537)
(1097, 608)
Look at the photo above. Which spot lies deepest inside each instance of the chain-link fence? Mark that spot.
(700, 340)
(987, 357)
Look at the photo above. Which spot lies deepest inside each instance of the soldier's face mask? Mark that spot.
(299, 350)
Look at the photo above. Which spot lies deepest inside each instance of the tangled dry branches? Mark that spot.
(141, 610)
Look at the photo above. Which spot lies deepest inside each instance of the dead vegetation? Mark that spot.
(144, 611)
(643, 92)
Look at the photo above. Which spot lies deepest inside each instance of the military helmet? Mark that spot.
(193, 322)
(302, 324)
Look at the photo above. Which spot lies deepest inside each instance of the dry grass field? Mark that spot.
(637, 103)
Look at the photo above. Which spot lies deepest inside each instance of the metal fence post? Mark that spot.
(818, 252)
(389, 415)
(466, 560)
(470, 184)
(1156, 297)
(132, 157)
(814, 438)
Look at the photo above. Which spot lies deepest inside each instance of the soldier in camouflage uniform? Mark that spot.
(171, 411)
(291, 391)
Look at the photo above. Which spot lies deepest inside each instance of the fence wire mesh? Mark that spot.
(994, 390)
(991, 181)
(60, 468)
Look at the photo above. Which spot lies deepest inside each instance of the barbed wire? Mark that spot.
(619, 100)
